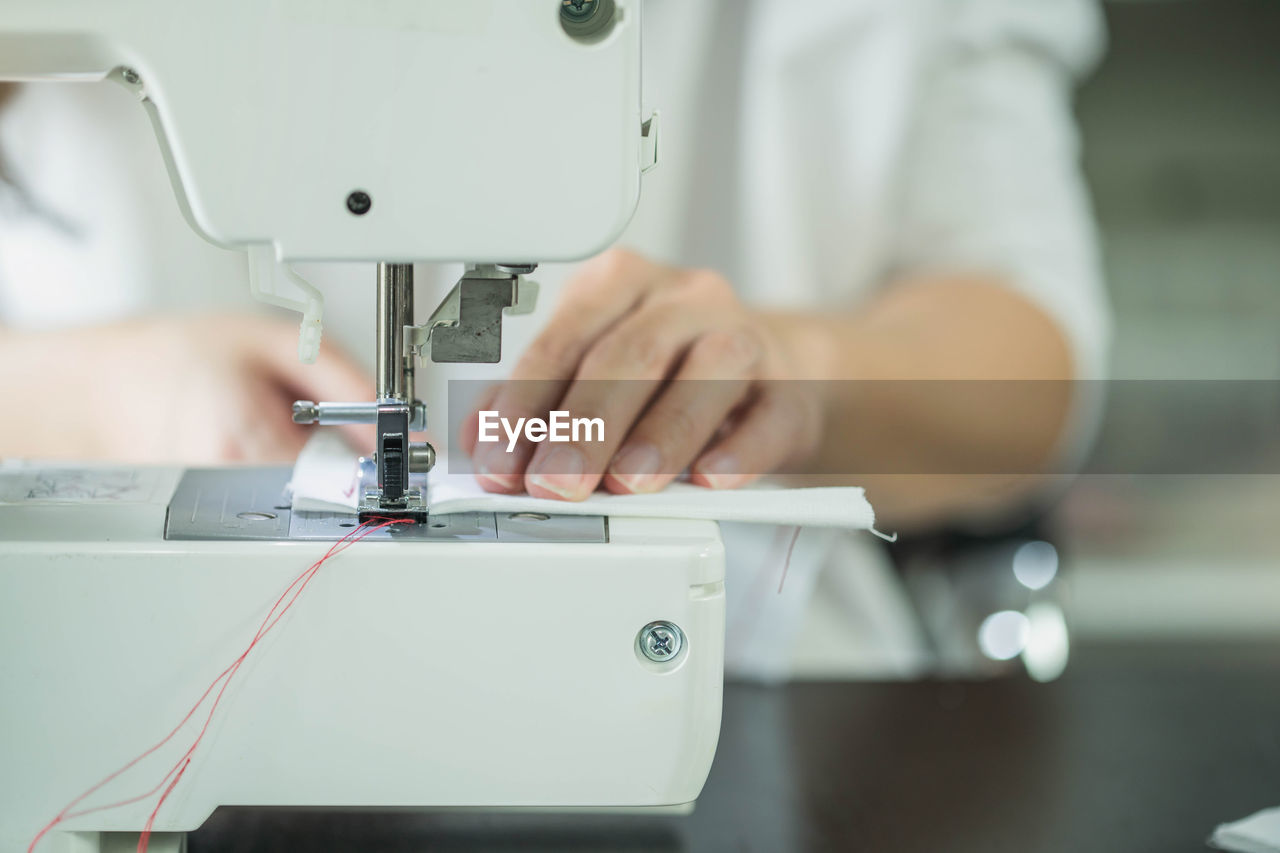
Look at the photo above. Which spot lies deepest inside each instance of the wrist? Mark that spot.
(819, 355)
(806, 346)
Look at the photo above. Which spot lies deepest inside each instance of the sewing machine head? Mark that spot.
(495, 132)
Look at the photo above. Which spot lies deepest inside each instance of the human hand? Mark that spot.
(636, 324)
(184, 390)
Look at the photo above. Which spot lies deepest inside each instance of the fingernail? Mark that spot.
(636, 467)
(498, 468)
(720, 470)
(562, 473)
(506, 482)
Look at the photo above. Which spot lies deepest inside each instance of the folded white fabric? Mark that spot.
(1258, 833)
(326, 474)
(762, 504)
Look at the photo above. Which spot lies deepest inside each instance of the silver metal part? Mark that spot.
(462, 527)
(395, 391)
(536, 527)
(411, 504)
(396, 413)
(579, 8)
(588, 20)
(393, 452)
(338, 414)
(395, 311)
(467, 325)
(477, 337)
(422, 457)
(253, 504)
(305, 412)
(661, 642)
(213, 504)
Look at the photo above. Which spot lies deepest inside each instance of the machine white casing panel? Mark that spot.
(482, 131)
(447, 674)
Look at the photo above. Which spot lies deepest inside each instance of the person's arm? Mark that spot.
(758, 391)
(989, 182)
(930, 425)
(185, 390)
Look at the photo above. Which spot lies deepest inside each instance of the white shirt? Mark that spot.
(811, 152)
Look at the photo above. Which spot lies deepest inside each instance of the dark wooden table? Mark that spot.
(1136, 749)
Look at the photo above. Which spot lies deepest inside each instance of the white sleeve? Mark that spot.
(990, 178)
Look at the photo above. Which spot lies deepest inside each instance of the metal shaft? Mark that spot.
(395, 311)
(333, 414)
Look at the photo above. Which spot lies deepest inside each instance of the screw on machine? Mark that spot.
(661, 642)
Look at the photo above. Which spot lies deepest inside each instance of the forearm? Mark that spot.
(927, 446)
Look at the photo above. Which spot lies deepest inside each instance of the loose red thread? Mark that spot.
(786, 562)
(174, 775)
(355, 481)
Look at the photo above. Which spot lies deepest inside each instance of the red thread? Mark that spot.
(355, 481)
(145, 838)
(269, 621)
(786, 563)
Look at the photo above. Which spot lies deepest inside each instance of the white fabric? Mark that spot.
(811, 153)
(326, 473)
(1258, 833)
(766, 503)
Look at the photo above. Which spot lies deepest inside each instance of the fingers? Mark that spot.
(617, 379)
(497, 467)
(713, 380)
(782, 423)
(655, 336)
(469, 430)
(572, 470)
(604, 290)
(623, 327)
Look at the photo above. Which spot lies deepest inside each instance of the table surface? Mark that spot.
(1135, 749)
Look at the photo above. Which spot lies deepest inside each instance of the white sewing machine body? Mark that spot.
(481, 130)
(477, 664)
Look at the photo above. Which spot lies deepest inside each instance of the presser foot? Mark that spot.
(412, 504)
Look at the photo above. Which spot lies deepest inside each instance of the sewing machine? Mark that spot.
(476, 660)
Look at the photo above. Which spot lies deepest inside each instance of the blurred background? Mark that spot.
(1181, 131)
